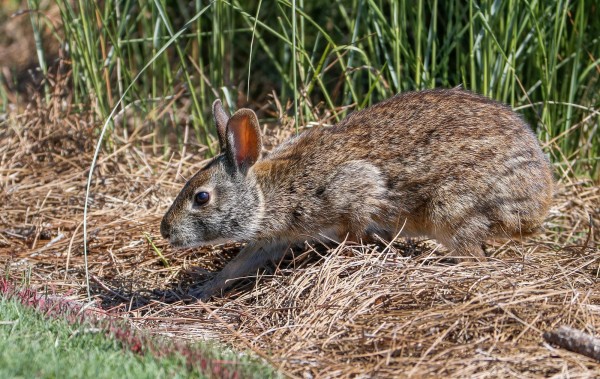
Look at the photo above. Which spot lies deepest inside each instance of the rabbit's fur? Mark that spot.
(448, 164)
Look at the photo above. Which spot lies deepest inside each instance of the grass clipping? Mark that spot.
(386, 310)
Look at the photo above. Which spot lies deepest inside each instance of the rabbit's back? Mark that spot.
(454, 165)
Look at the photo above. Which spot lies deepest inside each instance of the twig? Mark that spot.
(576, 341)
(157, 250)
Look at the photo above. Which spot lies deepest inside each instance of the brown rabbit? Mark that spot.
(447, 164)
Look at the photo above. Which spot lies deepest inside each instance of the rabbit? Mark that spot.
(448, 164)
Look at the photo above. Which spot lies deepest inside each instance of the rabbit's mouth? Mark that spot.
(180, 243)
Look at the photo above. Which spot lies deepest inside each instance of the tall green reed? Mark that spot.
(541, 57)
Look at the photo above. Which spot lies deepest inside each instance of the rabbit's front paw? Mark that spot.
(206, 291)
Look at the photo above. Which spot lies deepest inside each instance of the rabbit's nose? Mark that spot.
(164, 229)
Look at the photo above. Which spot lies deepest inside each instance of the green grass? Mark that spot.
(541, 57)
(32, 345)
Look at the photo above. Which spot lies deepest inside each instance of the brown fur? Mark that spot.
(447, 164)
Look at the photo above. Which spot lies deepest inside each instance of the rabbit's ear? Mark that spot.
(221, 118)
(243, 139)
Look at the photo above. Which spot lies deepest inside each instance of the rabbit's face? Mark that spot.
(222, 202)
(216, 205)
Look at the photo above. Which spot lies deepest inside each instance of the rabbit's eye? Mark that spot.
(201, 198)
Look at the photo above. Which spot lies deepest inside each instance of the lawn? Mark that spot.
(32, 345)
(45, 336)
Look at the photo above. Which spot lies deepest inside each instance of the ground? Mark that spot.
(385, 310)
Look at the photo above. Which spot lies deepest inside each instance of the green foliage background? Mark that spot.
(541, 57)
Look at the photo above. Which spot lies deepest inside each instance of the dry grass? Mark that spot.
(387, 310)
